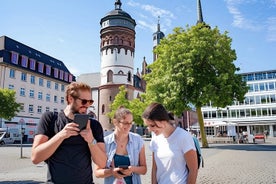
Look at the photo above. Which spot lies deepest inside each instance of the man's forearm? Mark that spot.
(98, 154)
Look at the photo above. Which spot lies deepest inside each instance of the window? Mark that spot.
(62, 100)
(262, 87)
(70, 78)
(272, 98)
(22, 91)
(40, 95)
(256, 87)
(66, 76)
(61, 74)
(55, 110)
(40, 67)
(129, 76)
(24, 61)
(31, 93)
(56, 86)
(32, 79)
(39, 109)
(31, 108)
(48, 97)
(12, 73)
(40, 82)
(56, 73)
(55, 99)
(11, 86)
(62, 87)
(47, 109)
(14, 58)
(48, 84)
(23, 76)
(48, 70)
(271, 86)
(109, 76)
(32, 64)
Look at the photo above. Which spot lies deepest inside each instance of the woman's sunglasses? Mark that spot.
(84, 101)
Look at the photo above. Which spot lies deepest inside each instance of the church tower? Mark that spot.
(157, 36)
(117, 54)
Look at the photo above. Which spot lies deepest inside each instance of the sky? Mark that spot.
(69, 30)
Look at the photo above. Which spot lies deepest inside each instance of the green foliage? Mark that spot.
(120, 100)
(195, 66)
(136, 106)
(8, 105)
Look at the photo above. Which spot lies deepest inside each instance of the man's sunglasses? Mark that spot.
(84, 101)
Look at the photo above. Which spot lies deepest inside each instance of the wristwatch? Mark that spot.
(94, 142)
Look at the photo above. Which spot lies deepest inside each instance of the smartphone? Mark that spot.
(81, 119)
(123, 166)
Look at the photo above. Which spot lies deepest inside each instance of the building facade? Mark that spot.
(255, 115)
(38, 79)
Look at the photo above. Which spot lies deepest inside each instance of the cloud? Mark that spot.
(148, 16)
(271, 29)
(239, 19)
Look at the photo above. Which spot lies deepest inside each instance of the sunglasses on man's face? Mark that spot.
(84, 101)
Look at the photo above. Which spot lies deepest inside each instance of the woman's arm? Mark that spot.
(142, 168)
(153, 171)
(191, 161)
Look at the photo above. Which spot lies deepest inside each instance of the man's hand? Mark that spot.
(87, 133)
(70, 129)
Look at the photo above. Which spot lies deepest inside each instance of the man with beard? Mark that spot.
(65, 148)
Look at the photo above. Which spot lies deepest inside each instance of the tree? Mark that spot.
(8, 107)
(120, 100)
(136, 106)
(195, 66)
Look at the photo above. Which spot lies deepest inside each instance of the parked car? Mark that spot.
(8, 138)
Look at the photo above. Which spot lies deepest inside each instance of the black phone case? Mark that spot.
(81, 119)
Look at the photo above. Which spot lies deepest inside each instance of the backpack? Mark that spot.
(198, 152)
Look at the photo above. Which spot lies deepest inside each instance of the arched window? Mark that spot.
(109, 76)
(120, 72)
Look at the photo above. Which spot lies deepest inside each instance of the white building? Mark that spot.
(38, 79)
(256, 114)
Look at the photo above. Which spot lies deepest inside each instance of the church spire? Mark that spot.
(118, 5)
(158, 24)
(199, 13)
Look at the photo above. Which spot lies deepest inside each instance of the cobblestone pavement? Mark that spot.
(223, 164)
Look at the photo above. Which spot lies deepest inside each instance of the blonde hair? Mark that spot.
(121, 113)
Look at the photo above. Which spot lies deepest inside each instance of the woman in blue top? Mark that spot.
(125, 152)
